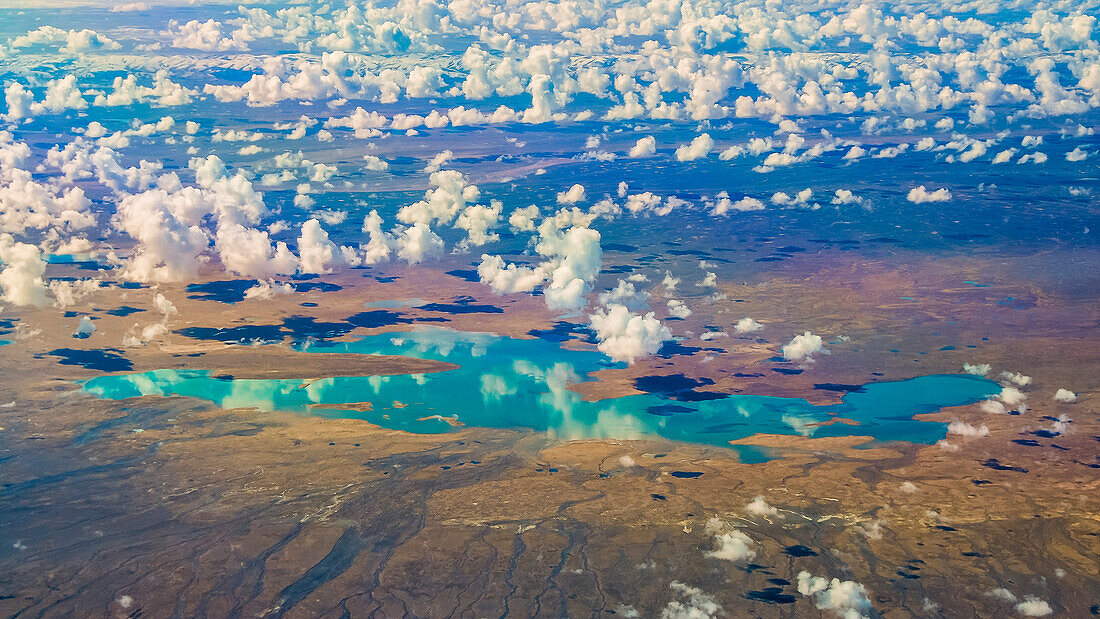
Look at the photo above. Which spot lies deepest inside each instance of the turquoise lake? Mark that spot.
(523, 383)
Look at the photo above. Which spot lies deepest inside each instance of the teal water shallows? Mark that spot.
(512, 383)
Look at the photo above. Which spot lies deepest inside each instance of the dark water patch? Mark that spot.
(104, 360)
(771, 595)
(686, 474)
(1045, 433)
(658, 497)
(677, 387)
(672, 349)
(746, 375)
(688, 252)
(907, 575)
(790, 249)
(244, 334)
(788, 371)
(980, 482)
(798, 550)
(756, 567)
(386, 280)
(1027, 442)
(943, 527)
(782, 582)
(1059, 447)
(771, 259)
(973, 554)
(311, 286)
(840, 387)
(303, 327)
(125, 310)
(995, 464)
(467, 275)
(669, 383)
(228, 291)
(618, 269)
(561, 331)
(378, 318)
(462, 305)
(308, 304)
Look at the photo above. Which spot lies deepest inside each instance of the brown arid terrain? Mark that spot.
(161, 507)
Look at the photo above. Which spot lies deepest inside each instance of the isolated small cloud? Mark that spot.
(920, 195)
(1065, 396)
(747, 325)
(803, 347)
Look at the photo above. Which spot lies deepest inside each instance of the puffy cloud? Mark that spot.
(477, 221)
(846, 598)
(70, 41)
(759, 507)
(693, 604)
(418, 242)
(625, 336)
(1015, 378)
(249, 252)
(844, 196)
(573, 195)
(364, 124)
(920, 195)
(677, 309)
(171, 242)
(964, 429)
(61, 94)
(268, 290)
(21, 279)
(743, 205)
(624, 293)
(644, 147)
(980, 369)
(208, 36)
(1065, 396)
(19, 101)
(803, 347)
(698, 148)
(438, 162)
(1033, 607)
(85, 328)
(66, 293)
(747, 325)
(732, 546)
(376, 164)
(450, 194)
(316, 252)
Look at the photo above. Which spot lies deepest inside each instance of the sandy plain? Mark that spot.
(173, 507)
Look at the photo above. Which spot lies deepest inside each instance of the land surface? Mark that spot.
(165, 507)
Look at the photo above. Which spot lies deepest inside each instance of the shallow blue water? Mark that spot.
(507, 383)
